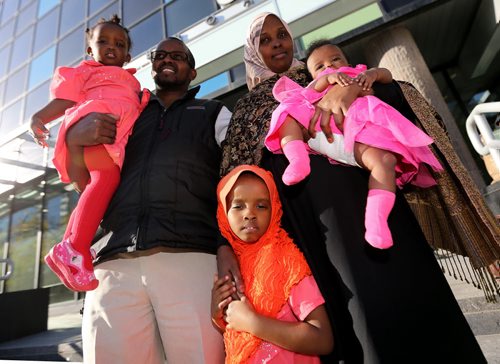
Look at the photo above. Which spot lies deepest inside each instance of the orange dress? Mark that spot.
(97, 88)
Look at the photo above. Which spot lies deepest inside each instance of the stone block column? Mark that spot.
(396, 50)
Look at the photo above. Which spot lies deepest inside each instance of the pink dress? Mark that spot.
(304, 298)
(368, 121)
(97, 88)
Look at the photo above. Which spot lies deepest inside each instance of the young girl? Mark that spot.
(375, 136)
(282, 318)
(98, 85)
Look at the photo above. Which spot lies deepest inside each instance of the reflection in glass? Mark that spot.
(41, 68)
(71, 49)
(45, 6)
(96, 5)
(10, 117)
(9, 9)
(16, 84)
(213, 84)
(36, 99)
(46, 31)
(26, 17)
(181, 14)
(4, 56)
(135, 10)
(7, 31)
(21, 50)
(72, 14)
(146, 34)
(106, 13)
(22, 247)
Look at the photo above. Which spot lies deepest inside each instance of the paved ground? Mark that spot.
(62, 341)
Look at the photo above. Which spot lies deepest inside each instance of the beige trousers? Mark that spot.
(150, 308)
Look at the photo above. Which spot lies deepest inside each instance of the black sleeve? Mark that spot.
(391, 94)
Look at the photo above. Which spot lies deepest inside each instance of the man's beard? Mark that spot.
(167, 84)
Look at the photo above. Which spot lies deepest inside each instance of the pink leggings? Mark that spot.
(87, 215)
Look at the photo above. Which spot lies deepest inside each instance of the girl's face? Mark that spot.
(276, 45)
(249, 208)
(326, 56)
(109, 45)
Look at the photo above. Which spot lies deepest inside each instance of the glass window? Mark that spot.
(4, 56)
(46, 31)
(73, 14)
(71, 48)
(26, 17)
(10, 118)
(106, 13)
(16, 84)
(213, 84)
(36, 99)
(41, 67)
(146, 34)
(96, 5)
(7, 31)
(134, 10)
(9, 9)
(183, 13)
(58, 208)
(2, 89)
(46, 6)
(21, 51)
(22, 247)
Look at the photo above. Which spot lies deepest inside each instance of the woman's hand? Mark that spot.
(227, 265)
(336, 102)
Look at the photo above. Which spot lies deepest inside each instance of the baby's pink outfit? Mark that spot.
(97, 88)
(369, 121)
(304, 298)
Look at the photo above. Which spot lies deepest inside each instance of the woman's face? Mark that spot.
(276, 45)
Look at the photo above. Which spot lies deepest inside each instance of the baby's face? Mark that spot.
(249, 208)
(326, 56)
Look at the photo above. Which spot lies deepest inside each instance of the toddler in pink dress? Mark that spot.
(375, 136)
(98, 85)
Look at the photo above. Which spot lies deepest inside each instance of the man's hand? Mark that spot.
(221, 297)
(227, 265)
(92, 129)
(336, 102)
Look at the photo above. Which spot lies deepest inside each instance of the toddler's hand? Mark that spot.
(366, 79)
(39, 132)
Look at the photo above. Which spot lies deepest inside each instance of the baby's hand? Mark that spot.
(221, 297)
(367, 78)
(240, 315)
(39, 132)
(341, 78)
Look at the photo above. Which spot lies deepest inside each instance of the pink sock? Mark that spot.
(299, 167)
(378, 207)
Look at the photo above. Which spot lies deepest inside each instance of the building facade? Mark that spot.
(449, 49)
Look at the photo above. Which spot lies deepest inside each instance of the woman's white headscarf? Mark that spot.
(256, 69)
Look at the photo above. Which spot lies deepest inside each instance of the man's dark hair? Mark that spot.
(191, 62)
(113, 20)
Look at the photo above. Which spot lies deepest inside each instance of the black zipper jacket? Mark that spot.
(167, 193)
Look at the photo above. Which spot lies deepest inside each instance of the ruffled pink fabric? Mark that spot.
(369, 121)
(97, 88)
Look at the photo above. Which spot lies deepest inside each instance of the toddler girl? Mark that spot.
(375, 136)
(97, 85)
(282, 318)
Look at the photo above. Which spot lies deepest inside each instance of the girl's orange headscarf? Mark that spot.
(270, 267)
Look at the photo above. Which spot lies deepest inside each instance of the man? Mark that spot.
(156, 261)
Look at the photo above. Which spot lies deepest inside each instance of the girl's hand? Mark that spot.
(241, 316)
(341, 78)
(366, 79)
(221, 297)
(39, 132)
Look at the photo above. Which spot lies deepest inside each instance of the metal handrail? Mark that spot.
(10, 268)
(479, 131)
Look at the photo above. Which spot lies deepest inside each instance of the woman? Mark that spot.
(391, 306)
